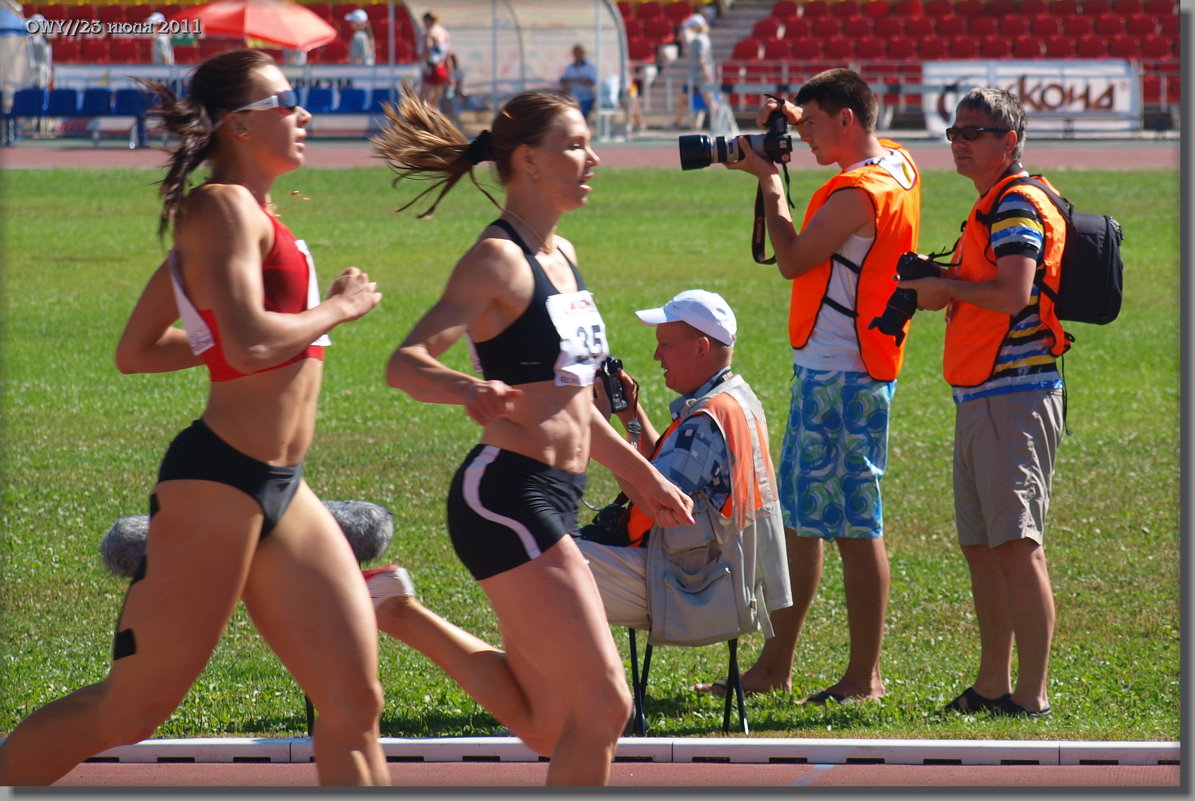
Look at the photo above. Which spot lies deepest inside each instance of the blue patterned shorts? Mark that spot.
(835, 451)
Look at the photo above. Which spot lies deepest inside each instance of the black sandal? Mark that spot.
(1007, 706)
(976, 702)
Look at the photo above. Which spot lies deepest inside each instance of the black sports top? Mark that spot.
(531, 348)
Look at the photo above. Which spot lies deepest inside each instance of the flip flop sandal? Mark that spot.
(971, 701)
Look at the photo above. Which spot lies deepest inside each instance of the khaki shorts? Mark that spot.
(1004, 452)
(621, 576)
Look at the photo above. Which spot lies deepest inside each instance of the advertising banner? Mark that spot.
(1065, 97)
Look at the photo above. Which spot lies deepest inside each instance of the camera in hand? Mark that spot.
(613, 384)
(903, 303)
(698, 150)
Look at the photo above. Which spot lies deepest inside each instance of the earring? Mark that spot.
(535, 175)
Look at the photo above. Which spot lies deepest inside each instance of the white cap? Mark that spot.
(694, 21)
(357, 15)
(155, 18)
(705, 311)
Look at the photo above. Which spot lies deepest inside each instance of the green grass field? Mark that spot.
(81, 445)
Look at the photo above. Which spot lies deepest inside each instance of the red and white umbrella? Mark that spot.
(281, 23)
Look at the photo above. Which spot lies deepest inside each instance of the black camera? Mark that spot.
(698, 150)
(608, 372)
(903, 303)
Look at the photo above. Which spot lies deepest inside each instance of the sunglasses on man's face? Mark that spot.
(287, 99)
(971, 132)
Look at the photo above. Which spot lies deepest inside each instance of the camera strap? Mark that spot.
(759, 231)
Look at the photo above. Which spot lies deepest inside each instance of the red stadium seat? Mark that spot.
(634, 28)
(67, 50)
(1124, 46)
(678, 11)
(857, 27)
(1027, 47)
(845, 9)
(53, 11)
(982, 27)
(111, 14)
(1060, 46)
(93, 50)
(626, 9)
(767, 28)
(901, 48)
(1013, 27)
(951, 27)
(1159, 47)
(659, 31)
(1127, 7)
(995, 47)
(1064, 8)
(83, 11)
(1031, 8)
(785, 8)
(919, 27)
(797, 26)
(1109, 25)
(805, 49)
(1001, 8)
(877, 9)
(1077, 25)
(1159, 7)
(1169, 25)
(1097, 7)
(124, 50)
(1091, 46)
(870, 48)
(1141, 24)
(650, 9)
(933, 49)
(963, 47)
(939, 8)
(815, 8)
(839, 49)
(641, 50)
(969, 8)
(890, 26)
(827, 27)
(748, 48)
(776, 50)
(908, 8)
(1044, 25)
(187, 54)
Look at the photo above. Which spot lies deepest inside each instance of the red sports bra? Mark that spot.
(290, 284)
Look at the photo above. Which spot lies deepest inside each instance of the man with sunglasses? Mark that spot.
(1002, 340)
(842, 266)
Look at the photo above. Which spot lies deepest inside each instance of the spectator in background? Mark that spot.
(161, 51)
(361, 45)
(41, 56)
(433, 52)
(579, 79)
(700, 79)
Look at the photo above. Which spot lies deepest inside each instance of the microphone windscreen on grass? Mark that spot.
(367, 526)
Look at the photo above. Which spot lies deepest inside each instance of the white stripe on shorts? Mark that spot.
(473, 475)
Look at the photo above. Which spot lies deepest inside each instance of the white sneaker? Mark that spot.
(388, 582)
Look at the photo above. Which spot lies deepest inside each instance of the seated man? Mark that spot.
(719, 578)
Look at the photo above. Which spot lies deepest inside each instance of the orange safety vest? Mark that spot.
(733, 422)
(973, 334)
(898, 222)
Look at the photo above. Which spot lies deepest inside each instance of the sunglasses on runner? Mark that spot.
(972, 132)
(287, 99)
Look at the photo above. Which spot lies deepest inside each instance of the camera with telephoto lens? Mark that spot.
(903, 303)
(608, 372)
(698, 150)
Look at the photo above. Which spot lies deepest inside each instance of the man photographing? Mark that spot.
(842, 266)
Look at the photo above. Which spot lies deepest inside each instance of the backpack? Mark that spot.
(1091, 286)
